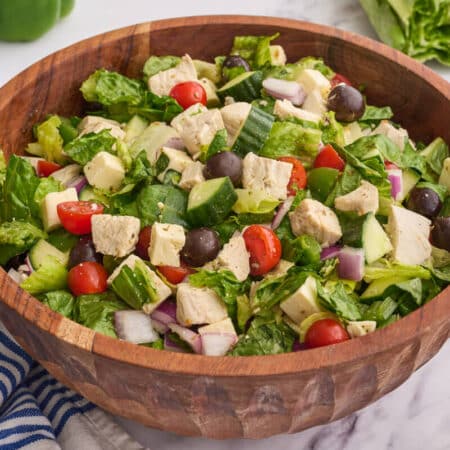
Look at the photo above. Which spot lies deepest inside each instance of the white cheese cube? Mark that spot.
(360, 328)
(303, 302)
(234, 116)
(67, 173)
(444, 178)
(266, 174)
(315, 103)
(162, 82)
(352, 132)
(317, 220)
(197, 306)
(285, 109)
(409, 233)
(178, 160)
(197, 127)
(105, 171)
(313, 80)
(95, 124)
(166, 242)
(115, 235)
(162, 290)
(399, 136)
(362, 200)
(50, 216)
(192, 175)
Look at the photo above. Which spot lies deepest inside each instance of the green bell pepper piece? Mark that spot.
(321, 182)
(27, 20)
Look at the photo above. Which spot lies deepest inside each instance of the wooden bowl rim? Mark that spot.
(404, 332)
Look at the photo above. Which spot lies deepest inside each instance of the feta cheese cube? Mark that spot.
(266, 174)
(360, 328)
(162, 82)
(315, 103)
(352, 132)
(409, 233)
(95, 124)
(49, 212)
(234, 115)
(303, 302)
(105, 171)
(178, 160)
(362, 200)
(399, 136)
(285, 109)
(115, 235)
(197, 306)
(191, 176)
(197, 127)
(317, 220)
(166, 242)
(313, 80)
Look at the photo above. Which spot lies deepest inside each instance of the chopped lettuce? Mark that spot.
(291, 72)
(332, 130)
(380, 310)
(227, 228)
(339, 301)
(244, 311)
(373, 115)
(254, 49)
(385, 269)
(434, 155)
(45, 186)
(217, 145)
(2, 168)
(59, 301)
(140, 170)
(303, 250)
(50, 141)
(156, 64)
(62, 239)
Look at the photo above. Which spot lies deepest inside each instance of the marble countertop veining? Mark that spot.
(416, 415)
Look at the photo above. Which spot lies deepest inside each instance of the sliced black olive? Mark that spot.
(224, 164)
(83, 251)
(201, 245)
(424, 201)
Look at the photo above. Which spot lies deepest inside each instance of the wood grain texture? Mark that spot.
(223, 397)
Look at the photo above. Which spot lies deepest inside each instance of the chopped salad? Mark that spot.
(246, 206)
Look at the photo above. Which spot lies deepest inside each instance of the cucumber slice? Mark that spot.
(87, 194)
(254, 133)
(409, 179)
(376, 289)
(41, 250)
(134, 128)
(243, 88)
(210, 202)
(374, 239)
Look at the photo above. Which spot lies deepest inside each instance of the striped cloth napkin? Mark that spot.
(37, 412)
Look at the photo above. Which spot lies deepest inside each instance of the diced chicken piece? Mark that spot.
(95, 124)
(277, 55)
(444, 178)
(191, 176)
(285, 109)
(218, 338)
(315, 103)
(105, 171)
(197, 126)
(50, 216)
(303, 302)
(162, 82)
(166, 242)
(266, 174)
(115, 235)
(197, 306)
(234, 115)
(409, 233)
(224, 326)
(361, 328)
(313, 80)
(397, 135)
(317, 220)
(362, 200)
(352, 132)
(162, 290)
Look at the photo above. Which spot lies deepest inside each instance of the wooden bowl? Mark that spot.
(224, 397)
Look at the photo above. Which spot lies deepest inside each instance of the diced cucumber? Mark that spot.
(254, 132)
(243, 88)
(41, 250)
(134, 128)
(409, 179)
(374, 239)
(212, 99)
(87, 194)
(207, 70)
(376, 289)
(210, 202)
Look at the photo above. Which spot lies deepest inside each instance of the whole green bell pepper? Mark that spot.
(27, 20)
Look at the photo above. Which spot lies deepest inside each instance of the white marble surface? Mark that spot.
(415, 416)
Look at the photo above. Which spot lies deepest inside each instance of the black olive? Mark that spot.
(440, 233)
(202, 245)
(224, 164)
(83, 251)
(424, 201)
(347, 102)
(236, 61)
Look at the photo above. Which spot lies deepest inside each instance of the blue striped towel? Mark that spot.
(37, 412)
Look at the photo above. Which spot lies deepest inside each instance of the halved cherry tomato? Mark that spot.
(46, 168)
(175, 275)
(298, 175)
(338, 79)
(390, 166)
(87, 278)
(325, 332)
(264, 248)
(144, 243)
(76, 216)
(329, 157)
(188, 93)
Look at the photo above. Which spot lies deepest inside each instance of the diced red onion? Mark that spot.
(216, 343)
(172, 346)
(283, 209)
(78, 183)
(15, 276)
(395, 177)
(285, 90)
(175, 142)
(330, 252)
(165, 313)
(160, 327)
(134, 326)
(187, 335)
(351, 263)
(28, 263)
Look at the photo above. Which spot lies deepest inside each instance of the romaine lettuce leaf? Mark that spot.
(435, 154)
(385, 269)
(380, 310)
(59, 301)
(338, 300)
(217, 145)
(291, 71)
(303, 250)
(45, 186)
(50, 139)
(332, 130)
(254, 49)
(156, 64)
(2, 169)
(373, 115)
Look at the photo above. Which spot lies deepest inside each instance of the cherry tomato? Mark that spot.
(188, 93)
(298, 174)
(87, 278)
(46, 168)
(338, 79)
(325, 332)
(75, 217)
(175, 275)
(264, 248)
(329, 157)
(390, 165)
(144, 243)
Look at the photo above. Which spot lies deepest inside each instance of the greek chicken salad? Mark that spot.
(245, 206)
